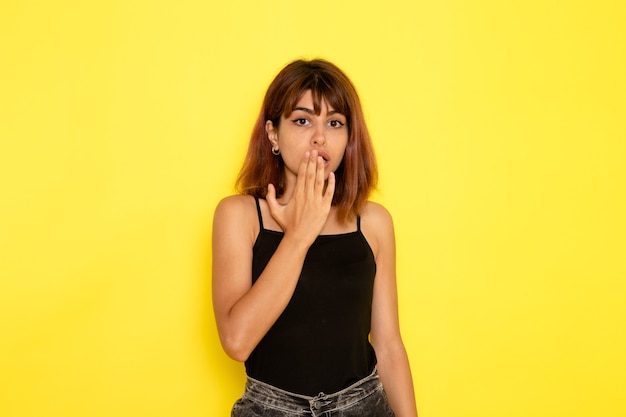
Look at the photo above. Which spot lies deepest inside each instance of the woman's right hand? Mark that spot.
(242, 311)
(304, 215)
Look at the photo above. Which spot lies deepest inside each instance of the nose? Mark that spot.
(319, 136)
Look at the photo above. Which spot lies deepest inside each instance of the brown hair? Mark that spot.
(356, 175)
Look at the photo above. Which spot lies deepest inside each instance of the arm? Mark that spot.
(245, 312)
(393, 364)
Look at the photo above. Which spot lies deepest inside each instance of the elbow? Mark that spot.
(236, 338)
(236, 348)
(237, 354)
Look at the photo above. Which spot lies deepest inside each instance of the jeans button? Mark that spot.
(317, 405)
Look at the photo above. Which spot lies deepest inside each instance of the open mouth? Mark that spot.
(325, 157)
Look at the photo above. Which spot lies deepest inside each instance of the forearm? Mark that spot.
(251, 317)
(395, 374)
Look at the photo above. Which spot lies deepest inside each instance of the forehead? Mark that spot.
(307, 100)
(315, 101)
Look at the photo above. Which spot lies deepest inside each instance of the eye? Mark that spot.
(336, 123)
(300, 121)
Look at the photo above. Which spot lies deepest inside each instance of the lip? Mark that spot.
(325, 156)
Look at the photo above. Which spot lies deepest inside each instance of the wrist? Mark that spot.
(296, 243)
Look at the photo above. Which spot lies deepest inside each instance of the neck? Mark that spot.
(290, 187)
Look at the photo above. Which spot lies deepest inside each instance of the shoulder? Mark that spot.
(376, 216)
(236, 213)
(377, 226)
(235, 203)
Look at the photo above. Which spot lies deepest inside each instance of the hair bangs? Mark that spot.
(323, 89)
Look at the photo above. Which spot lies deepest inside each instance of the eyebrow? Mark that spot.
(310, 111)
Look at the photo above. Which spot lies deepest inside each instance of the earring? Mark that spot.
(275, 151)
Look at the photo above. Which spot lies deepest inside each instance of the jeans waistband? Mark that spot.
(279, 399)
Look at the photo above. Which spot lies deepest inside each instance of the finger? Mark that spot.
(310, 174)
(319, 176)
(330, 189)
(301, 176)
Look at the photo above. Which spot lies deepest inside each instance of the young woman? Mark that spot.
(304, 285)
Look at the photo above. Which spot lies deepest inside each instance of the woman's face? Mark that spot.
(303, 131)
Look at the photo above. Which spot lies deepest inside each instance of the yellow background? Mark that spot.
(501, 136)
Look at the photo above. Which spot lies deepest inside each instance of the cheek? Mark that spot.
(339, 138)
(292, 160)
(338, 160)
(342, 146)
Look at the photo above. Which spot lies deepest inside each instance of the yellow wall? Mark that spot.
(501, 136)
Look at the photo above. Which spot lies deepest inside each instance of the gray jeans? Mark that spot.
(364, 398)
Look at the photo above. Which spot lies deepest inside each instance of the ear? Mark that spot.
(272, 133)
